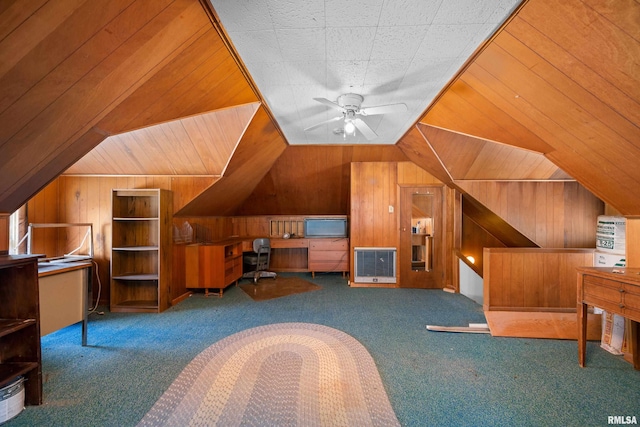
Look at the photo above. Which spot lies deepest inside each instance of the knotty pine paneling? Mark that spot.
(474, 239)
(469, 158)
(411, 174)
(259, 148)
(375, 187)
(312, 180)
(632, 241)
(188, 188)
(73, 72)
(76, 199)
(559, 79)
(457, 110)
(532, 279)
(551, 214)
(373, 190)
(417, 149)
(199, 145)
(261, 226)
(203, 78)
(4, 234)
(208, 229)
(45, 209)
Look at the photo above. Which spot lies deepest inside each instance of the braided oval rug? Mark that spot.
(284, 374)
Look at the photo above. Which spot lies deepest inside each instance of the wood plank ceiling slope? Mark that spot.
(560, 80)
(73, 72)
(563, 79)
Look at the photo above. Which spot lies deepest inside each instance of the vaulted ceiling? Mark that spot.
(553, 95)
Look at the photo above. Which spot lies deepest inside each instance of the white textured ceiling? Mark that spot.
(389, 51)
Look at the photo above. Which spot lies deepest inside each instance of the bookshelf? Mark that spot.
(141, 250)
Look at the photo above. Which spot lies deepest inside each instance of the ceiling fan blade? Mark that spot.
(328, 103)
(365, 129)
(335, 119)
(384, 109)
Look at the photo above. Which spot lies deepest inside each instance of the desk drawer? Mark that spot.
(289, 243)
(602, 289)
(232, 270)
(602, 293)
(632, 306)
(329, 244)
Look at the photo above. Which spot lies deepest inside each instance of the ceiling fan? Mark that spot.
(349, 105)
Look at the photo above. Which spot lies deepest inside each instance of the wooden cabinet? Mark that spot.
(213, 265)
(20, 353)
(328, 255)
(616, 290)
(141, 250)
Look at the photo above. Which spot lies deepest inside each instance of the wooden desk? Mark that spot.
(65, 291)
(213, 265)
(308, 255)
(289, 255)
(617, 293)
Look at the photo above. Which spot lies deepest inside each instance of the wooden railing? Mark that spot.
(532, 279)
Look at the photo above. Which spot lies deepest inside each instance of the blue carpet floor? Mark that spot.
(432, 378)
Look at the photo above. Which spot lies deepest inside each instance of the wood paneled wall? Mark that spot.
(374, 188)
(45, 208)
(411, 174)
(632, 240)
(551, 214)
(469, 158)
(260, 146)
(373, 191)
(531, 279)
(4, 234)
(73, 72)
(474, 240)
(73, 199)
(197, 145)
(560, 79)
(313, 180)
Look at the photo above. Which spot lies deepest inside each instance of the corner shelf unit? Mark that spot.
(141, 250)
(20, 353)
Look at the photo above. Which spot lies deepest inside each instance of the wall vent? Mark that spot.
(375, 265)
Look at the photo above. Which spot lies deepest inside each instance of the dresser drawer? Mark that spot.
(338, 265)
(329, 244)
(315, 256)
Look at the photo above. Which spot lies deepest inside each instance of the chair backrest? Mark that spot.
(261, 243)
(262, 247)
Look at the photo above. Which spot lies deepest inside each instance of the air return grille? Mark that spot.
(375, 265)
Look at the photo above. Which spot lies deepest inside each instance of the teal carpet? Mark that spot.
(431, 378)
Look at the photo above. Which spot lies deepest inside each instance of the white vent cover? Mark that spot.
(375, 265)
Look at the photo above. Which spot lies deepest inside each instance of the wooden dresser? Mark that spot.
(616, 290)
(328, 255)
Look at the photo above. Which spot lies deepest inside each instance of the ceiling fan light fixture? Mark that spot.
(349, 105)
(349, 127)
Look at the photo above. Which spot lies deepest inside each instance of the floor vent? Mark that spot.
(375, 265)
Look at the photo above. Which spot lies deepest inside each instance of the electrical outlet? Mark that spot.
(390, 208)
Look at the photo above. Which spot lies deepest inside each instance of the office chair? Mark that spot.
(258, 261)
